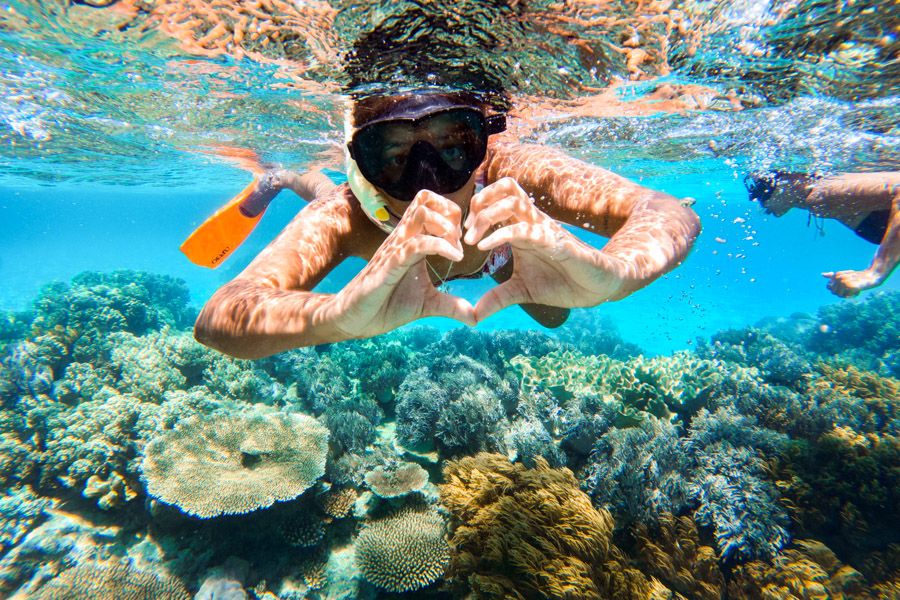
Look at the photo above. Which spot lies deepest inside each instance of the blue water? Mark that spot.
(745, 266)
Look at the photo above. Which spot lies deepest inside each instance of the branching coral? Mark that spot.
(643, 472)
(529, 533)
(404, 551)
(249, 461)
(779, 362)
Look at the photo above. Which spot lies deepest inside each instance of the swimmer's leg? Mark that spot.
(547, 316)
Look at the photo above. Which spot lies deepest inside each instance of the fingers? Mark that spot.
(547, 235)
(498, 298)
(498, 203)
(446, 305)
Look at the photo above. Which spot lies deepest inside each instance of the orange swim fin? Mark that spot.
(221, 234)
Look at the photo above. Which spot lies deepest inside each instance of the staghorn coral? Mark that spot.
(806, 570)
(590, 332)
(404, 551)
(671, 551)
(397, 479)
(251, 460)
(531, 533)
(115, 581)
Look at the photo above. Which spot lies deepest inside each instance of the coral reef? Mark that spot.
(672, 552)
(457, 402)
(116, 581)
(528, 533)
(252, 460)
(866, 334)
(397, 479)
(404, 551)
(806, 570)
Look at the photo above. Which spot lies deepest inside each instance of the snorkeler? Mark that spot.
(412, 210)
(867, 203)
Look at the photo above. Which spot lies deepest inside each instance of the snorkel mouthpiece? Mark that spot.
(222, 233)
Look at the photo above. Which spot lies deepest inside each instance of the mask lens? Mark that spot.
(458, 139)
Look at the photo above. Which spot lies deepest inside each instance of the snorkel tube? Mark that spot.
(222, 233)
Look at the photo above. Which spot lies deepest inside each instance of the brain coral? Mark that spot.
(403, 552)
(210, 466)
(117, 581)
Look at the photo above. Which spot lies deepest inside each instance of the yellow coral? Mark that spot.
(808, 570)
(521, 533)
(672, 552)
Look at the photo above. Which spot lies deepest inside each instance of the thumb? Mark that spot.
(829, 275)
(497, 299)
(448, 305)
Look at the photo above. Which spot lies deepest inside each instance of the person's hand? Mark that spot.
(394, 288)
(847, 284)
(550, 265)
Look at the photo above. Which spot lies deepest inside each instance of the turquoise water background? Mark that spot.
(745, 266)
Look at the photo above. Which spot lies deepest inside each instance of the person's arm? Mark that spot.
(851, 283)
(269, 307)
(651, 232)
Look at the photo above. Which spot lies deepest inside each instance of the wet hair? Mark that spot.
(423, 49)
(367, 108)
(761, 187)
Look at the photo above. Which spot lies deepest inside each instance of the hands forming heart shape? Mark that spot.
(550, 265)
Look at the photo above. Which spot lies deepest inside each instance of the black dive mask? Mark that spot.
(435, 148)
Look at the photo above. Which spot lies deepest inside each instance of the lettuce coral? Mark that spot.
(249, 460)
(662, 386)
(531, 533)
(404, 551)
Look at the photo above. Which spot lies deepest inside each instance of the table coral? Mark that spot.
(115, 581)
(396, 479)
(529, 533)
(248, 461)
(404, 551)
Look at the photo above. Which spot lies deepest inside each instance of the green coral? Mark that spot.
(663, 386)
(237, 463)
